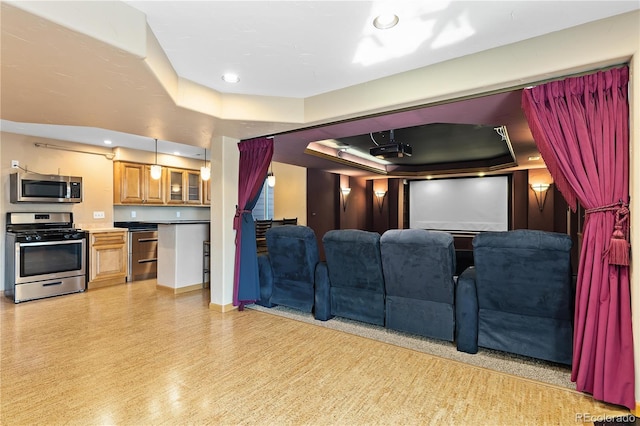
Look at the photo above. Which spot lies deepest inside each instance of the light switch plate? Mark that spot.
(133, 214)
(98, 215)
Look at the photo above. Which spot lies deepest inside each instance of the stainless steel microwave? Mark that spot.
(37, 188)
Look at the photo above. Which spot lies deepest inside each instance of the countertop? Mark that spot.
(94, 230)
(153, 224)
(181, 222)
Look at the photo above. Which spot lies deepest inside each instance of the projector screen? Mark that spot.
(460, 204)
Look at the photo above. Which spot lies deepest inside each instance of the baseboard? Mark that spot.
(180, 290)
(222, 308)
(106, 283)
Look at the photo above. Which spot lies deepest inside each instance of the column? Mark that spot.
(224, 197)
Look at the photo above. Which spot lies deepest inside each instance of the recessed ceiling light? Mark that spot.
(107, 142)
(386, 21)
(534, 158)
(230, 78)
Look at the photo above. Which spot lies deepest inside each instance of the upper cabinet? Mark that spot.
(185, 186)
(133, 184)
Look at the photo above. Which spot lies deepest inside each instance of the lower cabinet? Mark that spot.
(108, 257)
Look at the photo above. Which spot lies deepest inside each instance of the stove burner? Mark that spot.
(35, 227)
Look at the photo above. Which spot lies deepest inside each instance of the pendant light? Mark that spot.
(271, 178)
(205, 172)
(156, 170)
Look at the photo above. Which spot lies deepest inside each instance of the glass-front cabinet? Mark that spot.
(185, 187)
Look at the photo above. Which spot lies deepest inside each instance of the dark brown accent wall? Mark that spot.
(519, 200)
(323, 204)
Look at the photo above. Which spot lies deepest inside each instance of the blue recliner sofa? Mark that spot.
(419, 266)
(356, 284)
(519, 296)
(288, 270)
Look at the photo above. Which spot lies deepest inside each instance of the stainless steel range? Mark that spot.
(45, 256)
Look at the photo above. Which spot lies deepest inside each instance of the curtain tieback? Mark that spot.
(238, 215)
(619, 246)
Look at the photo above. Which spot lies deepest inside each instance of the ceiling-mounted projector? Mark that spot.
(397, 150)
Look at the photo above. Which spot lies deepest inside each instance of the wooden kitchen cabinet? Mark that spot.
(133, 184)
(107, 257)
(184, 186)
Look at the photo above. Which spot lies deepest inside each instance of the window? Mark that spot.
(264, 206)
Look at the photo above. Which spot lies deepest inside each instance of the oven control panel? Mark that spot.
(46, 236)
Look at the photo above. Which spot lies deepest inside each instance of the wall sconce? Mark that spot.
(205, 172)
(271, 178)
(380, 194)
(345, 193)
(540, 191)
(156, 170)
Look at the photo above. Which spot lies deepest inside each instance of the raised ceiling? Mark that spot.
(96, 65)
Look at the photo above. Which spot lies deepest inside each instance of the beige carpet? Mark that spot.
(529, 368)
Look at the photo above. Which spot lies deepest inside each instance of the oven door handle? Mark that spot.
(51, 243)
(50, 284)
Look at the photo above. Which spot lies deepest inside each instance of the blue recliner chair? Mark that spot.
(418, 270)
(356, 283)
(519, 296)
(288, 270)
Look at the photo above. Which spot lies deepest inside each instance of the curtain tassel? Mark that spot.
(619, 247)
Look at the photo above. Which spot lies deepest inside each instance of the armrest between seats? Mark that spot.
(322, 294)
(467, 312)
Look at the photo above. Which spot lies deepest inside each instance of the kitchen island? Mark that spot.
(180, 261)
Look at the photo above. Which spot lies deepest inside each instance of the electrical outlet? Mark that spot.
(98, 215)
(133, 214)
(177, 214)
(15, 164)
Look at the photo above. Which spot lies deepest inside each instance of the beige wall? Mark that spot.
(96, 171)
(290, 192)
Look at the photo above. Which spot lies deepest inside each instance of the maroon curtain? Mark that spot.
(581, 127)
(255, 156)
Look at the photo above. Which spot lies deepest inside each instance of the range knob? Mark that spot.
(38, 237)
(27, 238)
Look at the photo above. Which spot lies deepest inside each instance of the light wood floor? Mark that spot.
(131, 355)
